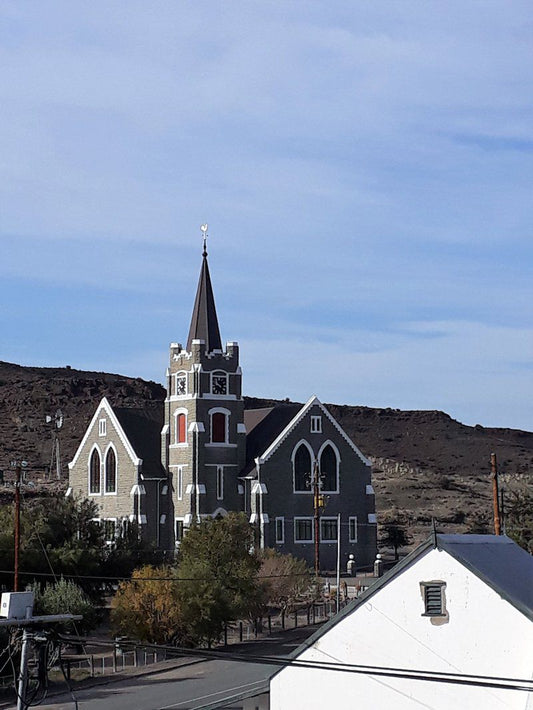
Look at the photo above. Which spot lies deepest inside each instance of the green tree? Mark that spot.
(395, 535)
(519, 518)
(66, 597)
(147, 607)
(217, 575)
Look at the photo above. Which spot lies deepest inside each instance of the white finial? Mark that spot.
(203, 229)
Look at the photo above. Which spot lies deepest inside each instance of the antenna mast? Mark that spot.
(55, 457)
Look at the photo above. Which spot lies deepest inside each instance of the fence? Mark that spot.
(115, 662)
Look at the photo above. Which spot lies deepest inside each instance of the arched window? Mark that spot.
(181, 428)
(218, 428)
(328, 468)
(302, 469)
(94, 472)
(111, 472)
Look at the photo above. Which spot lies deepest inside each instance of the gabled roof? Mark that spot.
(143, 429)
(204, 322)
(139, 430)
(266, 432)
(495, 559)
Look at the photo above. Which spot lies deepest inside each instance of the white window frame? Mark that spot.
(90, 493)
(309, 489)
(104, 463)
(352, 520)
(177, 412)
(329, 519)
(102, 427)
(220, 482)
(280, 522)
(316, 424)
(179, 482)
(309, 541)
(227, 414)
(328, 442)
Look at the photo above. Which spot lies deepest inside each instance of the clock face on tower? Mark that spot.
(181, 384)
(219, 384)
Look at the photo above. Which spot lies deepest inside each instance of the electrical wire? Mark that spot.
(497, 682)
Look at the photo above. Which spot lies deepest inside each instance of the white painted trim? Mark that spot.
(219, 511)
(195, 427)
(309, 489)
(241, 428)
(337, 453)
(299, 416)
(304, 542)
(99, 491)
(220, 482)
(111, 445)
(280, 541)
(179, 483)
(370, 489)
(253, 518)
(350, 538)
(104, 404)
(372, 518)
(68, 492)
(138, 489)
(259, 488)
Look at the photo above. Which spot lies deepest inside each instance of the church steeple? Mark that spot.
(204, 321)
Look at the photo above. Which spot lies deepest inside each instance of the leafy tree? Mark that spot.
(217, 575)
(66, 597)
(519, 518)
(147, 607)
(283, 578)
(395, 535)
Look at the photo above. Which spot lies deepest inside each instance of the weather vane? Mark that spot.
(204, 234)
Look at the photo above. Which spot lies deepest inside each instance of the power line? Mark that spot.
(73, 575)
(496, 682)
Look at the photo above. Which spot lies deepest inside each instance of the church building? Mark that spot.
(204, 455)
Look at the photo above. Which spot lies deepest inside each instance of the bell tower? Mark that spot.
(204, 438)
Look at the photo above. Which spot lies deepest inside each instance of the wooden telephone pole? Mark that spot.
(495, 496)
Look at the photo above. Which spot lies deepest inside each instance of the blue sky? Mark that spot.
(365, 168)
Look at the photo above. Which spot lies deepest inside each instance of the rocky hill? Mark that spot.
(426, 465)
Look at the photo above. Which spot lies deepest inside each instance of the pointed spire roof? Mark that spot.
(204, 321)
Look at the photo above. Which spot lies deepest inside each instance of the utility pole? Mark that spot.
(316, 510)
(18, 466)
(495, 496)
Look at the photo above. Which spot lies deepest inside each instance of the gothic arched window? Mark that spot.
(302, 469)
(328, 468)
(111, 472)
(94, 472)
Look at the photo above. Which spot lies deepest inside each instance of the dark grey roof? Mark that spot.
(495, 559)
(143, 429)
(204, 322)
(263, 426)
(499, 562)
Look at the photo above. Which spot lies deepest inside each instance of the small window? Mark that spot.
(94, 472)
(218, 428)
(179, 482)
(352, 528)
(179, 530)
(280, 531)
(102, 427)
(181, 428)
(181, 384)
(303, 530)
(433, 594)
(328, 529)
(316, 425)
(220, 482)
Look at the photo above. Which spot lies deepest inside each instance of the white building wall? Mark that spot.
(483, 635)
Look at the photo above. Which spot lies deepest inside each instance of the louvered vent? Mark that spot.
(433, 599)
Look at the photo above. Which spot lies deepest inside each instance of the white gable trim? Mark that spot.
(106, 406)
(297, 419)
